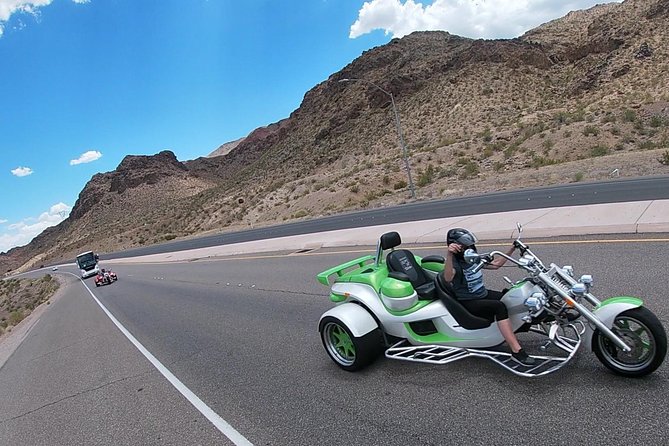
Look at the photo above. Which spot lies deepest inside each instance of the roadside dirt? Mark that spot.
(11, 338)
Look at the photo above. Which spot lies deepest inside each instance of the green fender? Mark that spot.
(607, 312)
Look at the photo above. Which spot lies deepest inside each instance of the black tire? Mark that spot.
(642, 329)
(347, 351)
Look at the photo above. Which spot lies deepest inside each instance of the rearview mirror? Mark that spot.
(471, 256)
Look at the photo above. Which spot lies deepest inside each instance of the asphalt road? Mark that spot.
(618, 191)
(242, 334)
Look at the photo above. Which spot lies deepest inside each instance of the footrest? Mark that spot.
(431, 354)
(438, 354)
(543, 366)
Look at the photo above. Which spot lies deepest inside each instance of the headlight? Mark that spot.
(586, 279)
(536, 301)
(579, 289)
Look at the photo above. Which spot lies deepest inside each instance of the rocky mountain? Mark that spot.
(572, 100)
(226, 148)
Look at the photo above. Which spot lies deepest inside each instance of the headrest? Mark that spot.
(390, 240)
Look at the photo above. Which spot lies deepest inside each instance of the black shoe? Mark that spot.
(523, 357)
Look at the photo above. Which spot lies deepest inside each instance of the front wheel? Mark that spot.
(349, 352)
(642, 331)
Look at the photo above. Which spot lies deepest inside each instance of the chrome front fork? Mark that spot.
(587, 314)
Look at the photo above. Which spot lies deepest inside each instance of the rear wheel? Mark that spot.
(640, 329)
(349, 352)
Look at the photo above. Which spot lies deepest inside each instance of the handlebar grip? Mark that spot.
(522, 247)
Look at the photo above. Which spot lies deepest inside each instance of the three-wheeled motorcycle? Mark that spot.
(399, 303)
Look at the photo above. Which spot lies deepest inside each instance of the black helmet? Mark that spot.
(461, 236)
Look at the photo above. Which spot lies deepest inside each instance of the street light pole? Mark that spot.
(405, 153)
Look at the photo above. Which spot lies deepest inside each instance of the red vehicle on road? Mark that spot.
(105, 277)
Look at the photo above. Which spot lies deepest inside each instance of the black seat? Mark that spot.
(445, 293)
(403, 261)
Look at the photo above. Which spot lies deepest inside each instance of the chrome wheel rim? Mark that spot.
(338, 343)
(636, 335)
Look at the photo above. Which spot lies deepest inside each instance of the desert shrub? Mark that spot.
(578, 115)
(513, 148)
(609, 117)
(15, 317)
(540, 161)
(590, 130)
(448, 172)
(532, 130)
(487, 152)
(578, 176)
(647, 145)
(599, 150)
(561, 118)
(426, 176)
(498, 146)
(471, 169)
(658, 121)
(629, 116)
(447, 141)
(461, 161)
(400, 185)
(299, 214)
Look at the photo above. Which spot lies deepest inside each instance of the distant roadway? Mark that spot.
(575, 194)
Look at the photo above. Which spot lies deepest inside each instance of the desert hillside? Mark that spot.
(577, 99)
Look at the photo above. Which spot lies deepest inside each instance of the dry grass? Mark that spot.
(19, 297)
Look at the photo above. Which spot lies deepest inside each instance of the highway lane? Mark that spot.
(76, 380)
(242, 334)
(618, 191)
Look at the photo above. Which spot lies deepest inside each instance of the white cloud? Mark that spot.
(22, 171)
(21, 233)
(86, 157)
(9, 7)
(3, 221)
(490, 19)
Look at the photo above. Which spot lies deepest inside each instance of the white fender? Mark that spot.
(607, 314)
(354, 316)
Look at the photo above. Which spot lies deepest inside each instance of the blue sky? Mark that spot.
(86, 82)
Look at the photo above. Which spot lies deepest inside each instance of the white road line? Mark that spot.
(28, 330)
(222, 425)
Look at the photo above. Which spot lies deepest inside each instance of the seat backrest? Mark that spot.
(403, 260)
(390, 240)
(460, 314)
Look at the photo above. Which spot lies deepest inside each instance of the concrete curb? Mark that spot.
(612, 218)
